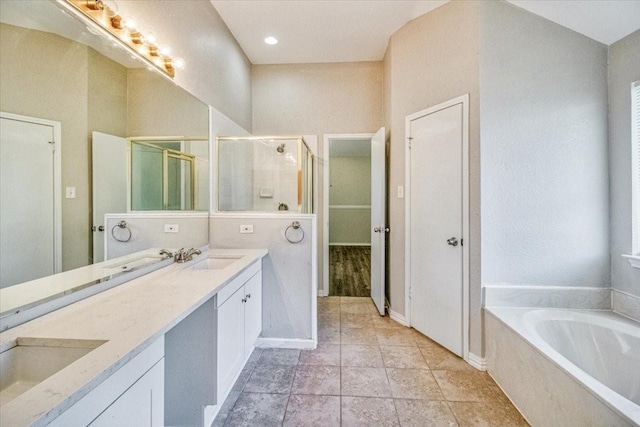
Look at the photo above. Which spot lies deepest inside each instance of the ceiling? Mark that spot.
(315, 31)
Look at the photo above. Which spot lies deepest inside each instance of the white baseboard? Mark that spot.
(323, 293)
(480, 363)
(398, 318)
(297, 344)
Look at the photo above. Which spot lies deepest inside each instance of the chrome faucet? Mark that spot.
(182, 256)
(166, 252)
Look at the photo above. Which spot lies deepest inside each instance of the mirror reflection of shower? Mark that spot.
(163, 175)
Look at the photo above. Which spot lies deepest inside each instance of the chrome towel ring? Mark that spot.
(295, 225)
(122, 225)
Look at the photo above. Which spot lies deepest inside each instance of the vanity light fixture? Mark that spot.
(271, 40)
(105, 16)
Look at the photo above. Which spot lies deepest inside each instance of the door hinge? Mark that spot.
(409, 292)
(409, 139)
(461, 242)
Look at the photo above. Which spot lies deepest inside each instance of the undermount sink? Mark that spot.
(32, 360)
(215, 263)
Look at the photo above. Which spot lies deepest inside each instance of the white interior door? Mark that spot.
(29, 199)
(109, 176)
(378, 219)
(437, 223)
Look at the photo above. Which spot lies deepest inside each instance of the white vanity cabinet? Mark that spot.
(239, 313)
(133, 395)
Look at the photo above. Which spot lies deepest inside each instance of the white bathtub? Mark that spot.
(566, 367)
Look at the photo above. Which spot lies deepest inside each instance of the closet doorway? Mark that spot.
(349, 193)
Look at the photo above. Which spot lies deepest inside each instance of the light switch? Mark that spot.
(70, 193)
(400, 192)
(246, 229)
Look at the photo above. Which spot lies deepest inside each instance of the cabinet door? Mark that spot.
(252, 312)
(141, 405)
(230, 341)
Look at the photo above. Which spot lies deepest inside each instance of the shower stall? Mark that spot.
(264, 174)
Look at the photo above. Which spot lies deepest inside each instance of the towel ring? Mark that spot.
(295, 225)
(123, 226)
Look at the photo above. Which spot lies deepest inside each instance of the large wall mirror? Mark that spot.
(74, 90)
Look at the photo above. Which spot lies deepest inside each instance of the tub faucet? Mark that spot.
(182, 256)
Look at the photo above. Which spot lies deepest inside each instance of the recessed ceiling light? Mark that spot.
(271, 40)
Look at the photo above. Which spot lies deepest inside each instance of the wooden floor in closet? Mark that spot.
(349, 271)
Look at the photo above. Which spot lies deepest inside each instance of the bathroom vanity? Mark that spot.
(162, 349)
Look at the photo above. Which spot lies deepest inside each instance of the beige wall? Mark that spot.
(317, 99)
(46, 76)
(217, 70)
(156, 107)
(430, 60)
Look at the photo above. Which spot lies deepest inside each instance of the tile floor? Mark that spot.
(367, 371)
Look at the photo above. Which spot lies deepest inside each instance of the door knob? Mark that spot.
(380, 230)
(452, 241)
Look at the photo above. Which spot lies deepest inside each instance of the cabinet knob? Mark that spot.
(248, 296)
(244, 300)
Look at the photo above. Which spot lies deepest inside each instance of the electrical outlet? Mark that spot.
(246, 229)
(171, 228)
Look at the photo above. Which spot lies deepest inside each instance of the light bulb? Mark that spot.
(178, 63)
(150, 37)
(271, 40)
(129, 24)
(164, 50)
(110, 8)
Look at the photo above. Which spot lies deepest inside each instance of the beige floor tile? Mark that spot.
(403, 357)
(487, 414)
(440, 358)
(328, 335)
(424, 413)
(355, 300)
(279, 356)
(366, 382)
(258, 409)
(311, 379)
(331, 320)
(358, 336)
(356, 308)
(355, 321)
(422, 340)
(368, 412)
(413, 384)
(324, 354)
(366, 356)
(401, 337)
(468, 386)
(316, 411)
(384, 322)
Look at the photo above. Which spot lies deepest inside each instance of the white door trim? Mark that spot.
(324, 162)
(57, 180)
(464, 100)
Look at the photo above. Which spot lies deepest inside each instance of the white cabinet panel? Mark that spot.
(116, 388)
(230, 341)
(252, 313)
(141, 405)
(239, 325)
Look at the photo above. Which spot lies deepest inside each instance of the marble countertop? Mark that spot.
(128, 317)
